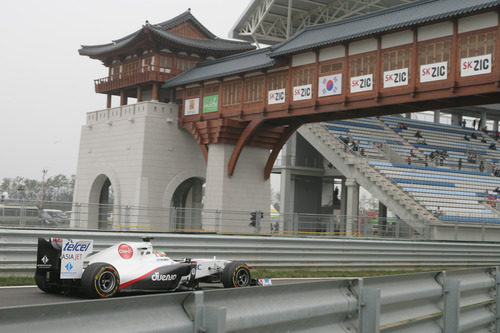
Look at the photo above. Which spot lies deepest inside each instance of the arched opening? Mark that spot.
(187, 203)
(100, 211)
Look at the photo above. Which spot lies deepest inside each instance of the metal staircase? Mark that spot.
(354, 166)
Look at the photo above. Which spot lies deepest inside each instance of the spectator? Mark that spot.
(481, 166)
(473, 135)
(474, 123)
(493, 146)
(426, 163)
(409, 160)
(412, 154)
(418, 134)
(459, 164)
(497, 135)
(483, 140)
(438, 212)
(466, 138)
(463, 123)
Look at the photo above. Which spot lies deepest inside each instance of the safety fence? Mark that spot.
(444, 302)
(18, 250)
(76, 216)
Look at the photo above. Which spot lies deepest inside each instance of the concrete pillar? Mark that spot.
(343, 199)
(287, 186)
(437, 116)
(456, 119)
(382, 217)
(482, 121)
(352, 205)
(244, 192)
(495, 125)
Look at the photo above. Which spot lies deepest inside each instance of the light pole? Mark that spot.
(44, 173)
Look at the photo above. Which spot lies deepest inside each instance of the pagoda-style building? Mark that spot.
(140, 62)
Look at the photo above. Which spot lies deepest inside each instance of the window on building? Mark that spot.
(396, 59)
(302, 76)
(232, 93)
(277, 80)
(184, 64)
(254, 89)
(193, 92)
(166, 62)
(211, 90)
(430, 53)
(362, 65)
(131, 67)
(331, 67)
(477, 44)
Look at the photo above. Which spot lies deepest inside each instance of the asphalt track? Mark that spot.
(31, 295)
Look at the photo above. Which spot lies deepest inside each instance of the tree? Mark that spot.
(56, 188)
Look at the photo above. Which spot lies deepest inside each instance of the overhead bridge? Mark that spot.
(419, 56)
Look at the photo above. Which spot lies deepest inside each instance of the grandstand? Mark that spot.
(447, 169)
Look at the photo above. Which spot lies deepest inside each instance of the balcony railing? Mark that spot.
(130, 79)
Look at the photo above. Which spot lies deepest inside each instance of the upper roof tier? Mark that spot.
(183, 33)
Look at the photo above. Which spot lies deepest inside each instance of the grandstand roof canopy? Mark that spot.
(273, 21)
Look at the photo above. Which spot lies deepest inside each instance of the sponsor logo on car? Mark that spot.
(163, 277)
(125, 251)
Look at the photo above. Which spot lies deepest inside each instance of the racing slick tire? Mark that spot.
(100, 280)
(236, 275)
(43, 285)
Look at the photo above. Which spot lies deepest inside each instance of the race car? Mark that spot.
(68, 265)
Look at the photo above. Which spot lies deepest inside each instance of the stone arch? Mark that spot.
(100, 204)
(184, 194)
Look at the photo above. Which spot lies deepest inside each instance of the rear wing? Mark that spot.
(62, 258)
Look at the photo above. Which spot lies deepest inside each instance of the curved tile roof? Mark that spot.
(227, 66)
(213, 44)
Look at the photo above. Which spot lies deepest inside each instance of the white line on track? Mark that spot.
(7, 287)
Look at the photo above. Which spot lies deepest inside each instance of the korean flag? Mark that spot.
(330, 85)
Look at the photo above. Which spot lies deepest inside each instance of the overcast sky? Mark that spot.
(47, 87)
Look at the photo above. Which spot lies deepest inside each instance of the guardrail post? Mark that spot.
(497, 299)
(214, 319)
(369, 310)
(451, 291)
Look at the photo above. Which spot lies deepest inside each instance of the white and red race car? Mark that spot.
(68, 265)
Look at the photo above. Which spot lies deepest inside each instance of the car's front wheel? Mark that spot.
(236, 275)
(100, 280)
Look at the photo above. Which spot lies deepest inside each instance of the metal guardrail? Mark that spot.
(18, 250)
(444, 302)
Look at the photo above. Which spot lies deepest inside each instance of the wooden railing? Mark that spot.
(124, 80)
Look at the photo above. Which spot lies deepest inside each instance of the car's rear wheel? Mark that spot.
(236, 275)
(100, 280)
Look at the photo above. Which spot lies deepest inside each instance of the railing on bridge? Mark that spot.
(145, 74)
